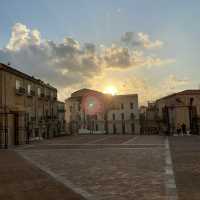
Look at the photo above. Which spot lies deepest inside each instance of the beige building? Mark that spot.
(61, 118)
(116, 114)
(148, 119)
(178, 109)
(28, 107)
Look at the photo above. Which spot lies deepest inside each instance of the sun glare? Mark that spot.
(110, 90)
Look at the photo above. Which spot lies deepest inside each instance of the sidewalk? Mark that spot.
(186, 161)
(19, 180)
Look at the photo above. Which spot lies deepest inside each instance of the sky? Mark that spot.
(149, 47)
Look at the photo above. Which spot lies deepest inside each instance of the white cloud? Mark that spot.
(68, 64)
(140, 40)
(172, 83)
(121, 58)
(22, 36)
(147, 43)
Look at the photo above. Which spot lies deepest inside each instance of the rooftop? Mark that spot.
(12, 70)
(184, 92)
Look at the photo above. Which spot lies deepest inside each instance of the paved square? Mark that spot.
(120, 167)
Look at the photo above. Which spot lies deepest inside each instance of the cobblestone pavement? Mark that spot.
(186, 160)
(132, 168)
(20, 180)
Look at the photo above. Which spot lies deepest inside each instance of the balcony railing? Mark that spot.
(31, 94)
(41, 96)
(61, 110)
(47, 97)
(54, 98)
(33, 119)
(20, 91)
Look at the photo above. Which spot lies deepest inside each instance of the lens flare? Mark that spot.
(92, 104)
(110, 90)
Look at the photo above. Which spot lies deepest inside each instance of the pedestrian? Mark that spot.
(178, 130)
(183, 127)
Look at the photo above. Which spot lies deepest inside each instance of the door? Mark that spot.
(16, 129)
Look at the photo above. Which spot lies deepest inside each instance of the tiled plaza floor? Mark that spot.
(20, 180)
(186, 160)
(107, 167)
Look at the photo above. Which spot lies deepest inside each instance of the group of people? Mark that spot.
(181, 129)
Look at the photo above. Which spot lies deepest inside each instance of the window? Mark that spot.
(97, 127)
(18, 84)
(122, 106)
(114, 129)
(113, 116)
(39, 92)
(46, 92)
(132, 116)
(123, 128)
(131, 105)
(29, 88)
(79, 107)
(133, 128)
(122, 116)
(70, 108)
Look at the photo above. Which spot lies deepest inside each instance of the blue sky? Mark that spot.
(103, 22)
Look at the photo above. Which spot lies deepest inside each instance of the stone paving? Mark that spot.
(186, 160)
(20, 180)
(120, 167)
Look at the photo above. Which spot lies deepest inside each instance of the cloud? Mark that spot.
(21, 36)
(62, 64)
(147, 43)
(172, 83)
(140, 40)
(121, 58)
(70, 65)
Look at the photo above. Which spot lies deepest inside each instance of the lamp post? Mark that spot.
(190, 113)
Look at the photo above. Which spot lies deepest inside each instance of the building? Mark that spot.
(178, 109)
(28, 108)
(90, 111)
(148, 119)
(61, 119)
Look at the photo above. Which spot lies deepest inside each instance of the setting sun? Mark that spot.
(110, 90)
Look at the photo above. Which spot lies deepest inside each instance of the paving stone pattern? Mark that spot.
(186, 160)
(20, 180)
(108, 173)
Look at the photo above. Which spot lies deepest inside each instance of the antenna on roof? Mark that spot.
(9, 63)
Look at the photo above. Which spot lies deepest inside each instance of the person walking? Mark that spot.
(183, 127)
(178, 129)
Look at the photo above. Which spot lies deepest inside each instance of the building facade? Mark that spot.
(177, 109)
(89, 111)
(148, 119)
(61, 119)
(28, 107)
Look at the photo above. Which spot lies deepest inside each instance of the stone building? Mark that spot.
(28, 107)
(178, 109)
(89, 111)
(61, 118)
(148, 119)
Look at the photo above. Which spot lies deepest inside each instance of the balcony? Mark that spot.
(41, 96)
(21, 91)
(61, 110)
(31, 94)
(47, 97)
(55, 98)
(33, 119)
(41, 119)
